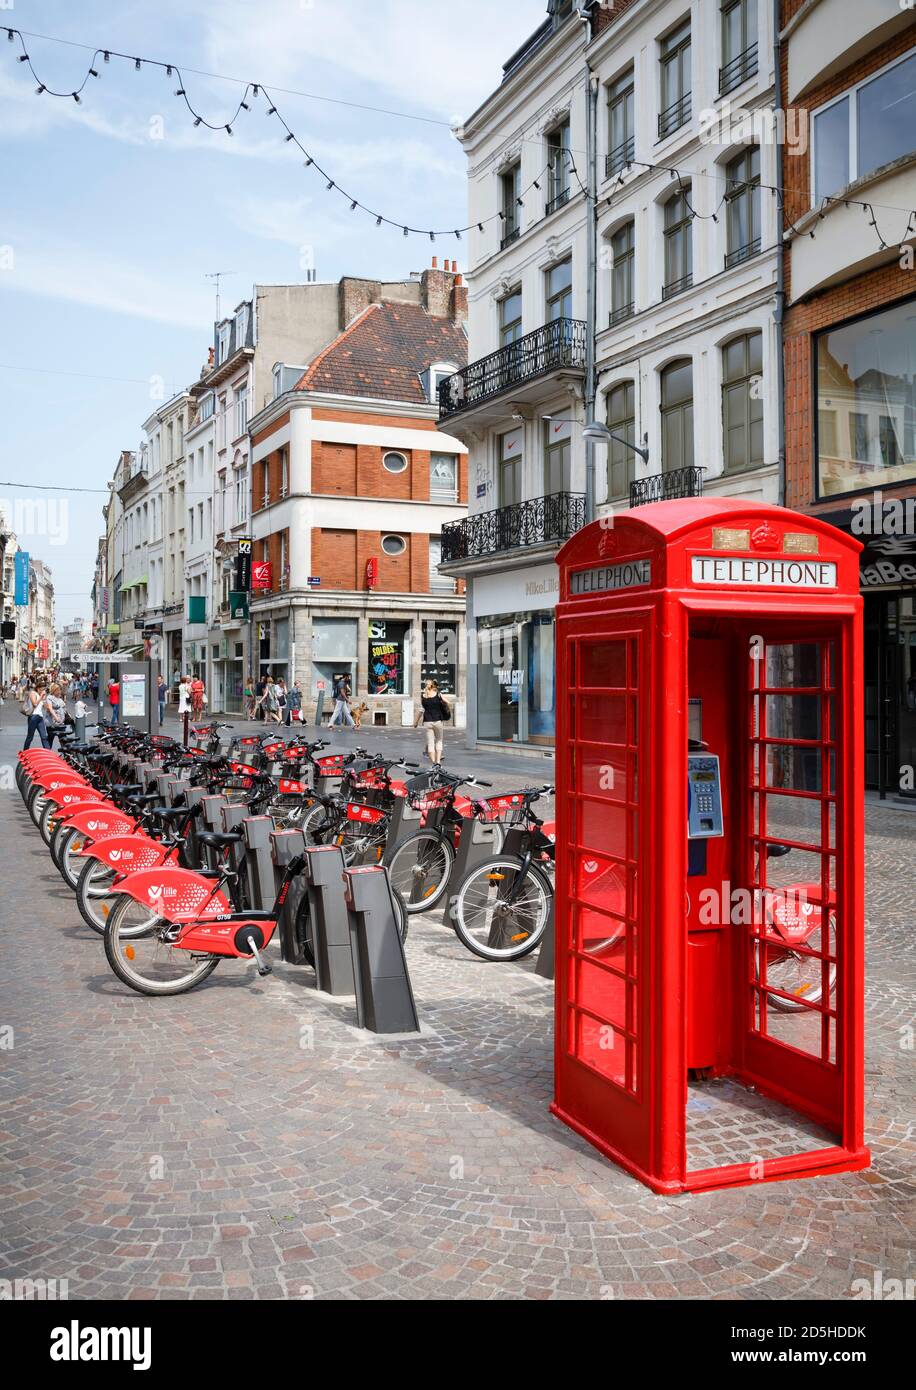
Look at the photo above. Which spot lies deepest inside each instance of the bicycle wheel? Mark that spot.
(141, 958)
(36, 803)
(70, 859)
(47, 821)
(799, 975)
(498, 914)
(420, 868)
(316, 824)
(93, 898)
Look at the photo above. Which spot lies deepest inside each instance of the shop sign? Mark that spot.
(371, 572)
(261, 575)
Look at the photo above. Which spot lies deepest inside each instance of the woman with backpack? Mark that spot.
(434, 712)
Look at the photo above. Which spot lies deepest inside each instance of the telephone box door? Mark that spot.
(602, 990)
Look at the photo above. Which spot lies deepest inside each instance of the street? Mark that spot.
(247, 1141)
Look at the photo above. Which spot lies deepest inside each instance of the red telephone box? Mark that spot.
(710, 832)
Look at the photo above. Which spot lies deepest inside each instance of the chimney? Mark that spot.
(354, 296)
(442, 293)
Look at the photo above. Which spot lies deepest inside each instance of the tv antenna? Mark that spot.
(217, 275)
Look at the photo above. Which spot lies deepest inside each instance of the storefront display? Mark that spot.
(388, 657)
(440, 656)
(515, 680)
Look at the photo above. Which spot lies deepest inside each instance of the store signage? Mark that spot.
(767, 574)
(261, 575)
(238, 604)
(21, 567)
(632, 574)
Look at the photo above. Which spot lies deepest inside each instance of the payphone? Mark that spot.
(710, 839)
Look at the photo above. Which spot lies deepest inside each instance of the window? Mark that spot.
(558, 161)
(742, 402)
(510, 468)
(621, 123)
(675, 80)
(241, 411)
(623, 255)
(284, 473)
(869, 126)
(739, 44)
(865, 378)
(510, 318)
(207, 407)
(515, 678)
(742, 194)
(222, 342)
(678, 244)
(394, 545)
(557, 458)
(241, 496)
(388, 657)
(438, 583)
(511, 185)
(677, 416)
(241, 327)
(443, 477)
(559, 291)
(435, 376)
(394, 462)
(621, 420)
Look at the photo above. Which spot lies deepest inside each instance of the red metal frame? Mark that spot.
(644, 990)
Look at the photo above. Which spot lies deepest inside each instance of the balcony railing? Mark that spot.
(559, 200)
(738, 70)
(623, 311)
(619, 157)
(677, 286)
(742, 253)
(538, 521)
(510, 236)
(664, 487)
(674, 116)
(553, 346)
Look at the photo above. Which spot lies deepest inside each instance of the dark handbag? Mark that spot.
(444, 711)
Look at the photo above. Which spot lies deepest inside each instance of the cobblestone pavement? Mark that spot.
(247, 1141)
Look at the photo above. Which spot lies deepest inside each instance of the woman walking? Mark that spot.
(55, 714)
(433, 714)
(294, 704)
(33, 707)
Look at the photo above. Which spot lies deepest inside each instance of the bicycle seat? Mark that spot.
(217, 839)
(101, 755)
(143, 798)
(170, 813)
(126, 788)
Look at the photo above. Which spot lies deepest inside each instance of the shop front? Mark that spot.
(865, 451)
(514, 658)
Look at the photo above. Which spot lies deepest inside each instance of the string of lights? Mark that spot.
(253, 91)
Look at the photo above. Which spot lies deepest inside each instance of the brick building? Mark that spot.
(849, 76)
(351, 484)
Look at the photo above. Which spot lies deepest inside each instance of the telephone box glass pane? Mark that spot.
(604, 664)
(603, 718)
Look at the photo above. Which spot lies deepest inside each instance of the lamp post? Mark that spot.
(593, 432)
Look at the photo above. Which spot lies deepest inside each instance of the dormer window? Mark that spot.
(433, 377)
(222, 342)
(241, 326)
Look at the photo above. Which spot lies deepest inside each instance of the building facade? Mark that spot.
(629, 276)
(351, 484)
(849, 72)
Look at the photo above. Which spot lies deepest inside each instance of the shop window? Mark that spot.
(388, 657)
(515, 678)
(866, 402)
(440, 656)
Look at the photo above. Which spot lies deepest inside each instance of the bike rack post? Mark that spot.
(405, 819)
(545, 965)
(330, 921)
(479, 840)
(194, 796)
(212, 811)
(257, 830)
(384, 998)
(285, 846)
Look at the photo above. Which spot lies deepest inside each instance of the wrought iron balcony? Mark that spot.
(559, 200)
(738, 70)
(510, 236)
(677, 286)
(674, 116)
(549, 348)
(538, 521)
(664, 487)
(619, 157)
(742, 253)
(623, 311)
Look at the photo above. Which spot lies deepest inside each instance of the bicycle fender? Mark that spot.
(178, 895)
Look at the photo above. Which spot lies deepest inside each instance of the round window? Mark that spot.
(395, 463)
(394, 545)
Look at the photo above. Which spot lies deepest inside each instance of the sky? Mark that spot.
(114, 211)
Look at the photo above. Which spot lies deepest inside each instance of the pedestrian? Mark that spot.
(33, 707)
(198, 697)
(114, 698)
(161, 691)
(249, 697)
(434, 712)
(282, 697)
(341, 692)
(55, 713)
(260, 702)
(184, 696)
(272, 702)
(294, 704)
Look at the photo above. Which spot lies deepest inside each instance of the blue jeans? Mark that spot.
(36, 726)
(161, 711)
(342, 708)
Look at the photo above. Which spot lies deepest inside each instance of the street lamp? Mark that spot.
(593, 432)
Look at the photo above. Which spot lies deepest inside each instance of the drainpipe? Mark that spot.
(591, 312)
(779, 311)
